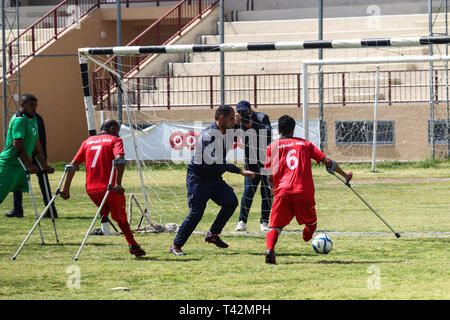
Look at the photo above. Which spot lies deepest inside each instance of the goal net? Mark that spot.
(165, 103)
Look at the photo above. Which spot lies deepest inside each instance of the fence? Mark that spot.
(52, 24)
(340, 88)
(161, 32)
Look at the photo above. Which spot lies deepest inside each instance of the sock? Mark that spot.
(271, 239)
(125, 227)
(105, 228)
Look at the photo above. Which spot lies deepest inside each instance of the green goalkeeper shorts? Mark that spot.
(12, 179)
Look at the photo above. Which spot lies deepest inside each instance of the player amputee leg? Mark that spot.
(12, 179)
(305, 213)
(115, 203)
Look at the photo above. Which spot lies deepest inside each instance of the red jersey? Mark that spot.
(98, 152)
(289, 161)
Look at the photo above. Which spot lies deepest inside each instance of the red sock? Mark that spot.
(125, 227)
(271, 239)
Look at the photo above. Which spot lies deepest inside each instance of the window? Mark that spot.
(361, 132)
(441, 131)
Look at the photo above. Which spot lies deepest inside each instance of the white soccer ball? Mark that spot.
(322, 243)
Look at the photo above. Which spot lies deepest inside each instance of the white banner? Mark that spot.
(176, 141)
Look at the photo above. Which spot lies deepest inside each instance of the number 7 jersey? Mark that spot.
(289, 161)
(98, 152)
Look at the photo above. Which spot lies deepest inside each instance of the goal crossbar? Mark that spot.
(269, 46)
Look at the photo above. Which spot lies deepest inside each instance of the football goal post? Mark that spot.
(162, 195)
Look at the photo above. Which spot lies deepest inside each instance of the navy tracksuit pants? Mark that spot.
(200, 190)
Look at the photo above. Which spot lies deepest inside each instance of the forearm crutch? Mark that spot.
(110, 187)
(47, 194)
(57, 192)
(347, 183)
(27, 173)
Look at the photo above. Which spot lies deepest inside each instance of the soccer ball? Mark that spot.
(322, 243)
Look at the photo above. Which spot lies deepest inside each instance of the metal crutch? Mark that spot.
(110, 187)
(27, 173)
(347, 183)
(57, 192)
(47, 193)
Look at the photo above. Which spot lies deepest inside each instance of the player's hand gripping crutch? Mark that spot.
(110, 187)
(57, 192)
(347, 183)
(27, 173)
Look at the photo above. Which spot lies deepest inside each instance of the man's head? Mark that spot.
(286, 126)
(28, 105)
(224, 117)
(110, 126)
(244, 109)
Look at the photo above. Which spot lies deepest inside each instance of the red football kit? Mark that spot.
(289, 161)
(98, 153)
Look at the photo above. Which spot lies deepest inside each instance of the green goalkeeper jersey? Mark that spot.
(20, 127)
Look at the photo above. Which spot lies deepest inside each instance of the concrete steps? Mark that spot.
(289, 9)
(361, 24)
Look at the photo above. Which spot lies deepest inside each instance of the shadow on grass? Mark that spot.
(340, 262)
(168, 259)
(285, 254)
(75, 244)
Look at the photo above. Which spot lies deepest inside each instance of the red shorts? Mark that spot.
(288, 206)
(115, 203)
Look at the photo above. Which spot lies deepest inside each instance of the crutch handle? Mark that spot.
(119, 161)
(71, 168)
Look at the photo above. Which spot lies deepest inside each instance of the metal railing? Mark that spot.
(50, 26)
(340, 88)
(161, 32)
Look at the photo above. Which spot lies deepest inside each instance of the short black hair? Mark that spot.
(28, 98)
(286, 125)
(223, 110)
(108, 124)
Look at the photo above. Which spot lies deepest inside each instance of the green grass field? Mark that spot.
(367, 261)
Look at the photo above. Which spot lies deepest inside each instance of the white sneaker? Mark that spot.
(241, 226)
(264, 226)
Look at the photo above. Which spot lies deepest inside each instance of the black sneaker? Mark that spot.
(176, 250)
(270, 257)
(15, 214)
(136, 250)
(215, 239)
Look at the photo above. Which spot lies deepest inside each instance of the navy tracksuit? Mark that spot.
(204, 181)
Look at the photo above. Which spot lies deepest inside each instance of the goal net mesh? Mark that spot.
(168, 99)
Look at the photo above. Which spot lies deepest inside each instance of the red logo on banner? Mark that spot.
(180, 140)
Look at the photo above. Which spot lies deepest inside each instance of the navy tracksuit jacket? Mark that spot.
(204, 181)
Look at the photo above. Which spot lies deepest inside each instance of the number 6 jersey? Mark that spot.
(289, 161)
(98, 152)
